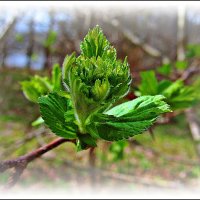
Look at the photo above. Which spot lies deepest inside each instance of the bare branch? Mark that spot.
(33, 155)
(192, 70)
(152, 133)
(19, 164)
(150, 50)
(21, 142)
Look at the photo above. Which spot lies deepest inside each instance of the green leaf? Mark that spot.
(149, 83)
(95, 79)
(148, 106)
(56, 77)
(68, 64)
(44, 83)
(173, 89)
(164, 69)
(53, 110)
(95, 43)
(36, 87)
(163, 85)
(128, 119)
(180, 96)
(193, 50)
(30, 91)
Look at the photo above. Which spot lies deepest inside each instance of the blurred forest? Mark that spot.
(33, 40)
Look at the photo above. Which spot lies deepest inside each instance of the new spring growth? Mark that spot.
(96, 79)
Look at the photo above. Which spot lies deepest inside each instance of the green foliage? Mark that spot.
(84, 141)
(95, 44)
(149, 83)
(38, 86)
(178, 95)
(94, 82)
(165, 69)
(181, 65)
(193, 50)
(96, 77)
(54, 109)
(56, 77)
(128, 119)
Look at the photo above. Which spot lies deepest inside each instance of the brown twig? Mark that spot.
(92, 156)
(134, 39)
(92, 160)
(19, 164)
(23, 141)
(152, 133)
(192, 70)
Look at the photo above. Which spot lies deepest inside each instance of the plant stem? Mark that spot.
(20, 163)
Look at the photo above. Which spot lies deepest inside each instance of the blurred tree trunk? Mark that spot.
(4, 36)
(4, 53)
(47, 49)
(194, 126)
(29, 52)
(47, 57)
(181, 37)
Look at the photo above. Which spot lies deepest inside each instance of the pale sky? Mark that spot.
(99, 4)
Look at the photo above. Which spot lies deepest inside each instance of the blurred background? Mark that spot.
(33, 37)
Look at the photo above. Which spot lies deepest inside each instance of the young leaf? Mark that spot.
(129, 119)
(96, 77)
(53, 110)
(165, 69)
(30, 91)
(163, 85)
(95, 43)
(149, 83)
(36, 87)
(95, 81)
(56, 77)
(180, 96)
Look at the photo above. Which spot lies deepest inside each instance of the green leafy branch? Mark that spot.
(86, 106)
(94, 83)
(178, 95)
